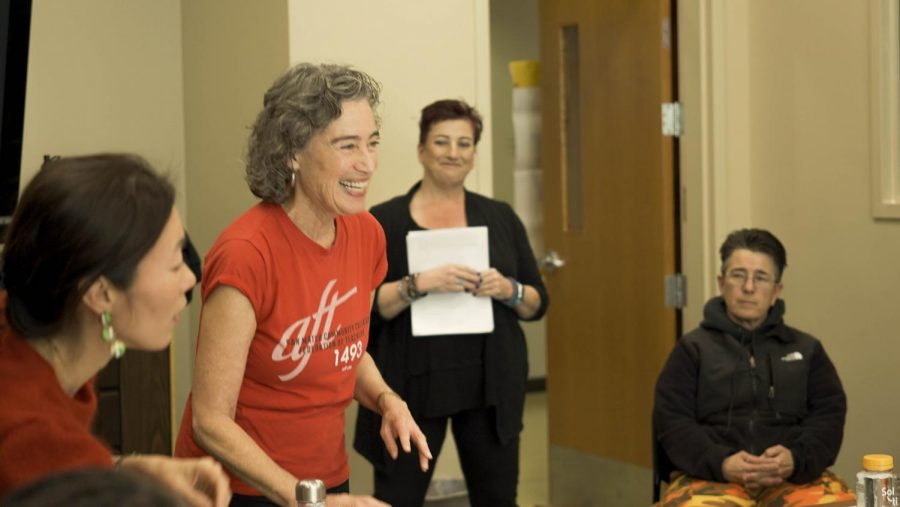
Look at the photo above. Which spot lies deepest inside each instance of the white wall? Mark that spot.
(420, 52)
(105, 75)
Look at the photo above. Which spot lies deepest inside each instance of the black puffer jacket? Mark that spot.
(725, 389)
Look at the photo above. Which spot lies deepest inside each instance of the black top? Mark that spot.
(712, 400)
(443, 375)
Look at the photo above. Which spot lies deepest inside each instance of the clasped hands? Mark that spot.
(769, 469)
(456, 278)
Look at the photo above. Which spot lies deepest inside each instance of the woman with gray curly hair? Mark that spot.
(287, 290)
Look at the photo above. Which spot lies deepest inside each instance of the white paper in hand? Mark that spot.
(457, 312)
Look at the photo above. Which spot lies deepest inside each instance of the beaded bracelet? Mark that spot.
(413, 287)
(518, 293)
(409, 292)
(403, 290)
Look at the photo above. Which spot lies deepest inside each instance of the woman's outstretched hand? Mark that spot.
(397, 423)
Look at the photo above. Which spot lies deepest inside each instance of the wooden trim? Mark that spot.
(885, 108)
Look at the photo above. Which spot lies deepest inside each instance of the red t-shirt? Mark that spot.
(312, 313)
(42, 430)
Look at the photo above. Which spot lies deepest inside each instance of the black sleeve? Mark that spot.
(528, 271)
(822, 429)
(686, 443)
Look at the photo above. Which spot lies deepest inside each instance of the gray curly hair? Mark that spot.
(300, 104)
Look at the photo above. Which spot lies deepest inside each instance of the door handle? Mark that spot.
(552, 261)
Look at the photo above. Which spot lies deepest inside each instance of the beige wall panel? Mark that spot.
(105, 75)
(810, 142)
(233, 51)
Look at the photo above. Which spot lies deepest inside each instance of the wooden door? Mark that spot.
(134, 403)
(611, 215)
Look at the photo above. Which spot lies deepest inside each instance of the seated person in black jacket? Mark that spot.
(749, 410)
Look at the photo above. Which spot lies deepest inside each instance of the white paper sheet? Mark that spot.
(450, 313)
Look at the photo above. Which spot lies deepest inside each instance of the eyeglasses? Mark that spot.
(738, 277)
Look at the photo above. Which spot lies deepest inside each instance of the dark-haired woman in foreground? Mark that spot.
(92, 265)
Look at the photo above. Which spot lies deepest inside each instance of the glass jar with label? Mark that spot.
(875, 482)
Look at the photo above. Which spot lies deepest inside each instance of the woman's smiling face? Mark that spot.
(448, 153)
(335, 167)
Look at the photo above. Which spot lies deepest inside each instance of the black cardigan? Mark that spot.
(504, 359)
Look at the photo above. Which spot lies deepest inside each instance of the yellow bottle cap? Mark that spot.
(525, 73)
(878, 462)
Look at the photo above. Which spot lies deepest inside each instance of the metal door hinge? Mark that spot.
(676, 291)
(671, 119)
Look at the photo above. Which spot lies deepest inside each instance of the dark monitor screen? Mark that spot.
(15, 26)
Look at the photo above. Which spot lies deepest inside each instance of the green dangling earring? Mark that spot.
(117, 347)
(108, 333)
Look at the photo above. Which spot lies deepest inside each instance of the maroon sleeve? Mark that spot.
(40, 448)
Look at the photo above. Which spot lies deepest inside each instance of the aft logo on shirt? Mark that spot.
(302, 343)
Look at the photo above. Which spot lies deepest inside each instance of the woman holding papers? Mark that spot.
(477, 381)
(287, 290)
(92, 264)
